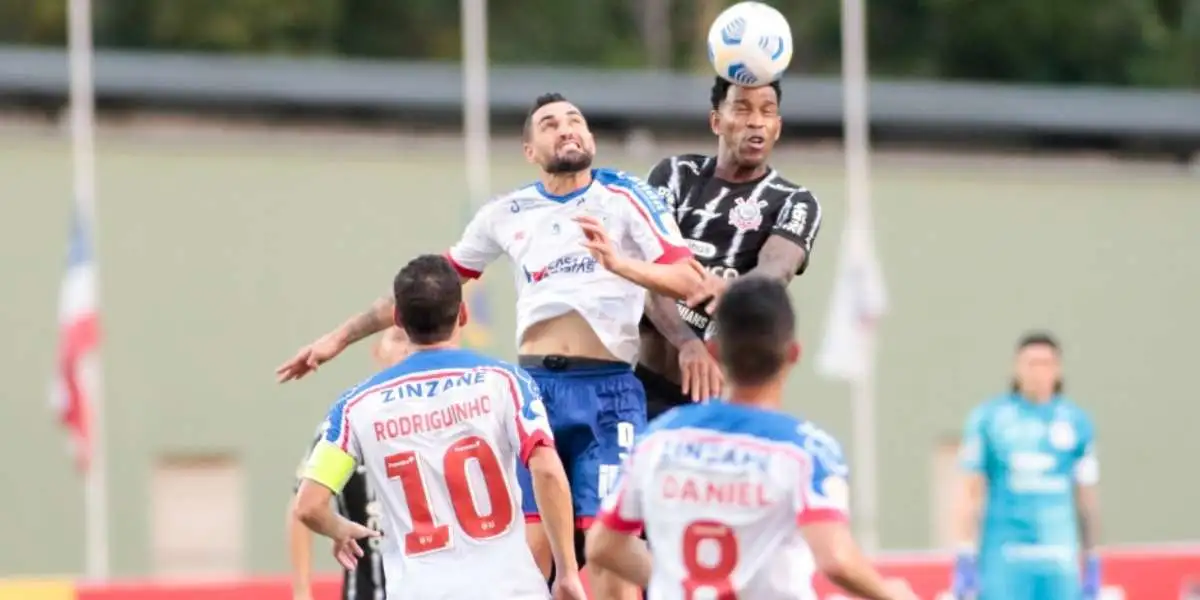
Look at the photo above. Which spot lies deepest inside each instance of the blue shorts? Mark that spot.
(595, 409)
(1001, 579)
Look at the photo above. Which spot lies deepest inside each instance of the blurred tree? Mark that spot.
(1116, 42)
(33, 22)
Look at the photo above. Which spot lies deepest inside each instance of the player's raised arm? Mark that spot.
(1087, 506)
(822, 515)
(785, 253)
(654, 255)
(474, 251)
(531, 434)
(612, 541)
(329, 467)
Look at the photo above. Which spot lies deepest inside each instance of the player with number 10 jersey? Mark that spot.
(440, 435)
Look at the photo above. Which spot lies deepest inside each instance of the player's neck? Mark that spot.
(561, 184)
(1037, 397)
(728, 170)
(450, 344)
(767, 395)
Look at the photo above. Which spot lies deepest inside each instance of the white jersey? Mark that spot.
(722, 491)
(440, 435)
(554, 273)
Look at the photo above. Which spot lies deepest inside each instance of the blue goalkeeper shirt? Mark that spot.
(1032, 456)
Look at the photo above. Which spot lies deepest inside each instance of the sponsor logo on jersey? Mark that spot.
(1062, 435)
(746, 214)
(702, 249)
(561, 265)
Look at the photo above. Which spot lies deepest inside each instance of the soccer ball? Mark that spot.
(750, 44)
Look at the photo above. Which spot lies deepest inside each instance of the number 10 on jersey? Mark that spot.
(427, 534)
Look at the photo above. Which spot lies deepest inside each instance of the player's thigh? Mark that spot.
(619, 405)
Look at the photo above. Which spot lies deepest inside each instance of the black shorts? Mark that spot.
(661, 393)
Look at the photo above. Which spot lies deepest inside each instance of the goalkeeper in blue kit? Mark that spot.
(1027, 510)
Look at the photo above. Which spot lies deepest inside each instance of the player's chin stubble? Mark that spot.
(571, 164)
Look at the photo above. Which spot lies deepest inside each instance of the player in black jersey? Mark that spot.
(739, 217)
(358, 503)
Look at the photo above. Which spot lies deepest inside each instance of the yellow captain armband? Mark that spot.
(329, 466)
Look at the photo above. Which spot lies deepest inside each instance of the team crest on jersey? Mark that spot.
(1062, 435)
(746, 215)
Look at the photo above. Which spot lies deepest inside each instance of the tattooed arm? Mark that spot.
(785, 254)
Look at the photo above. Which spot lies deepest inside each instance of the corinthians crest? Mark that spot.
(746, 215)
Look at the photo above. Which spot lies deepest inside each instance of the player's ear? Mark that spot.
(778, 128)
(529, 155)
(396, 318)
(793, 352)
(464, 315)
(714, 122)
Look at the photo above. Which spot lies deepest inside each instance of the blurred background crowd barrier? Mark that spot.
(264, 166)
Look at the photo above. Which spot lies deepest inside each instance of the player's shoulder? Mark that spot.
(999, 405)
(513, 201)
(781, 187)
(1075, 412)
(734, 419)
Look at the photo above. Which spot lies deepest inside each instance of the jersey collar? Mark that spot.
(569, 195)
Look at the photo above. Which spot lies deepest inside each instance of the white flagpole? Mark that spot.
(858, 193)
(476, 126)
(82, 103)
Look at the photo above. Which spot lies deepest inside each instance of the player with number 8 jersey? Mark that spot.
(440, 435)
(738, 499)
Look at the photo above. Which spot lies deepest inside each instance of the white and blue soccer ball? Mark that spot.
(750, 44)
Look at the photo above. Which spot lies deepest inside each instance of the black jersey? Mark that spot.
(358, 503)
(726, 224)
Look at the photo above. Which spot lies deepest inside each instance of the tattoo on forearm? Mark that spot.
(666, 319)
(780, 259)
(371, 321)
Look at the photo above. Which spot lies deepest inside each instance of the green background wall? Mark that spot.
(219, 257)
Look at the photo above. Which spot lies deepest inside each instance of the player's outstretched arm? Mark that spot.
(679, 279)
(701, 375)
(619, 552)
(379, 316)
(839, 558)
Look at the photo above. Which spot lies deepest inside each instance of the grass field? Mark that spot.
(221, 252)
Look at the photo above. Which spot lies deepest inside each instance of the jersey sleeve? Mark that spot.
(529, 426)
(799, 222)
(652, 230)
(972, 450)
(1087, 466)
(621, 509)
(824, 493)
(477, 248)
(337, 452)
(662, 180)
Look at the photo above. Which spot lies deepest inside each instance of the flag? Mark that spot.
(75, 385)
(859, 300)
(478, 332)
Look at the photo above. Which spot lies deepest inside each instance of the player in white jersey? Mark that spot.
(440, 435)
(738, 499)
(577, 321)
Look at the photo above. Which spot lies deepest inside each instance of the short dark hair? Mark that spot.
(720, 90)
(755, 324)
(540, 101)
(428, 292)
(1039, 338)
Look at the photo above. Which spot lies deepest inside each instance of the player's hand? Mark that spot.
(597, 242)
(569, 587)
(709, 293)
(702, 377)
(308, 358)
(898, 589)
(345, 547)
(965, 583)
